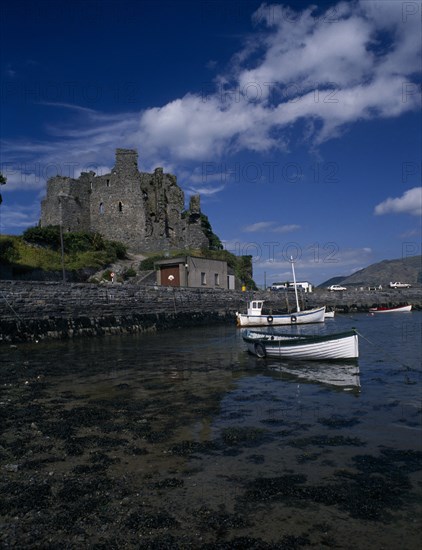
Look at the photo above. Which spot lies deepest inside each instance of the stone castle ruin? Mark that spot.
(144, 211)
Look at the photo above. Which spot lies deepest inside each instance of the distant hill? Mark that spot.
(406, 270)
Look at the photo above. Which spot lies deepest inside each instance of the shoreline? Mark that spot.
(34, 311)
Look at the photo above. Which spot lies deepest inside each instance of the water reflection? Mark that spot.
(342, 376)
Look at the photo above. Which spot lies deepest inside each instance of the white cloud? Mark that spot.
(312, 67)
(258, 226)
(286, 228)
(409, 203)
(411, 233)
(18, 217)
(271, 227)
(205, 191)
(357, 61)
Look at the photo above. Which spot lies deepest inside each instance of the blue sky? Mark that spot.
(299, 123)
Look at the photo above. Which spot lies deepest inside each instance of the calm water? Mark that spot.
(213, 445)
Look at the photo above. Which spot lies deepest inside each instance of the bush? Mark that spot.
(130, 272)
(74, 242)
(8, 252)
(43, 236)
(118, 250)
(82, 242)
(148, 263)
(214, 242)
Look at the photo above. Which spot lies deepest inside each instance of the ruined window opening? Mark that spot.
(108, 183)
(120, 207)
(216, 279)
(101, 209)
(203, 278)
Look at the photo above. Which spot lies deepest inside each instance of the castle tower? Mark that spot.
(117, 205)
(67, 202)
(126, 163)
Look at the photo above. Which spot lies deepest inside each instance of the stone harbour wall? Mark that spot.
(32, 311)
(38, 310)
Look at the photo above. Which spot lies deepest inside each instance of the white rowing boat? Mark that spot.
(397, 309)
(342, 345)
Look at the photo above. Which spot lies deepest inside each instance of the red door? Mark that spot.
(170, 276)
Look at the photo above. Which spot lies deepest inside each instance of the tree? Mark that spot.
(214, 242)
(3, 181)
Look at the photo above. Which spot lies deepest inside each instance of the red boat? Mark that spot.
(381, 309)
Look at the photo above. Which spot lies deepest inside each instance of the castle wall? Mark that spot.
(67, 203)
(50, 206)
(117, 211)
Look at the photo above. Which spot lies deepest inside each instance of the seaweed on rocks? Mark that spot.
(328, 441)
(220, 521)
(187, 448)
(379, 487)
(240, 543)
(245, 435)
(270, 488)
(338, 422)
(143, 520)
(168, 483)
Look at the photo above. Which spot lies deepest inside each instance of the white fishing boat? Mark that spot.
(255, 318)
(329, 314)
(343, 345)
(397, 309)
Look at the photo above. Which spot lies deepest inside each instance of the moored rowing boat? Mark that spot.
(396, 309)
(342, 345)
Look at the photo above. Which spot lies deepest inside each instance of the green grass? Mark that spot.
(48, 258)
(38, 257)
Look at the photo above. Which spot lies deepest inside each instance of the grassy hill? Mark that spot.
(407, 270)
(40, 249)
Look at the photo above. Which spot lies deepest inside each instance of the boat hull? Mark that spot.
(344, 346)
(399, 309)
(316, 315)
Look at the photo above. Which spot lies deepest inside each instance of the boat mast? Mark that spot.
(294, 282)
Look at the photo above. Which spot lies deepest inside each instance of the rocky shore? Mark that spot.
(119, 443)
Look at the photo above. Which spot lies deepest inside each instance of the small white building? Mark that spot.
(301, 285)
(188, 271)
(304, 285)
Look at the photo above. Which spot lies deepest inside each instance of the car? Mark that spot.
(337, 287)
(399, 285)
(278, 286)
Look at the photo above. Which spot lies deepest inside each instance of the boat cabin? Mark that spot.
(255, 307)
